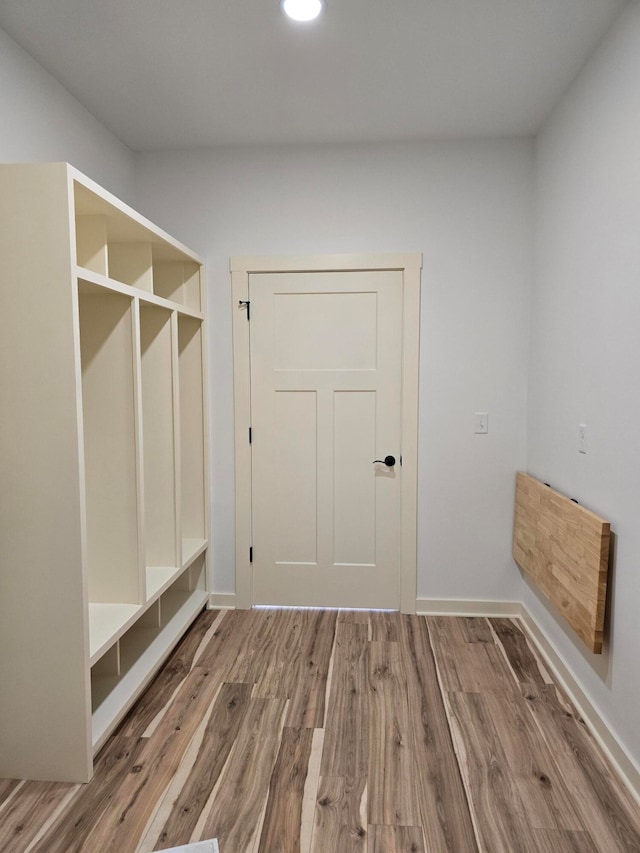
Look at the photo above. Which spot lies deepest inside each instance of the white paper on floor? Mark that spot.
(197, 847)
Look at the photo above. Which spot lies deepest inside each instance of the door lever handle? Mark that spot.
(389, 461)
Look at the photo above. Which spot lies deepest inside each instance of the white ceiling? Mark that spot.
(194, 73)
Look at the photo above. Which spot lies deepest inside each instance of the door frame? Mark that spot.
(410, 265)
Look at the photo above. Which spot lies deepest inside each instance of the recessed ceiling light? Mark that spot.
(302, 10)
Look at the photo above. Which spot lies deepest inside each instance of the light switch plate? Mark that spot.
(582, 438)
(481, 423)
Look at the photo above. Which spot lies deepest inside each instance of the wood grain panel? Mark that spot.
(341, 815)
(468, 667)
(309, 675)
(500, 816)
(18, 827)
(391, 790)
(128, 812)
(564, 548)
(346, 745)
(7, 788)
(70, 832)
(222, 728)
(282, 824)
(531, 764)
(384, 626)
(557, 841)
(605, 807)
(475, 629)
(395, 839)
(235, 813)
(441, 796)
(522, 660)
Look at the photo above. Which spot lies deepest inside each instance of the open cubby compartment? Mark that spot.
(162, 549)
(110, 461)
(142, 649)
(177, 280)
(112, 242)
(192, 437)
(116, 242)
(108, 665)
(130, 263)
(91, 243)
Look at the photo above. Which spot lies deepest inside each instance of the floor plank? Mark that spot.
(476, 629)
(384, 626)
(346, 741)
(532, 766)
(219, 736)
(605, 807)
(307, 680)
(558, 841)
(17, 825)
(468, 667)
(7, 788)
(341, 815)
(395, 839)
(282, 826)
(500, 816)
(391, 790)
(71, 830)
(235, 813)
(521, 659)
(139, 792)
(441, 796)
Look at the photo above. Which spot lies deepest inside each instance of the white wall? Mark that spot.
(466, 206)
(41, 121)
(586, 345)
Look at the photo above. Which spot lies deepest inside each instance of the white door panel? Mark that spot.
(326, 350)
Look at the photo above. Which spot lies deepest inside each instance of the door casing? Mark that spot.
(410, 265)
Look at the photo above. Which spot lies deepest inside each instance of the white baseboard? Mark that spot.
(466, 607)
(624, 764)
(222, 601)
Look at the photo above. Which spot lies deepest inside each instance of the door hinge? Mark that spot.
(250, 435)
(246, 302)
(251, 554)
(401, 460)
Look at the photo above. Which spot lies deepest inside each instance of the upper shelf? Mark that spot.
(91, 282)
(116, 242)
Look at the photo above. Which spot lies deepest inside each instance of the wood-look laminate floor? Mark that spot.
(322, 731)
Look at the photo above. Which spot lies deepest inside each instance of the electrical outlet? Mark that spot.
(481, 423)
(582, 438)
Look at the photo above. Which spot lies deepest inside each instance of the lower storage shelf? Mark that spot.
(117, 681)
(106, 623)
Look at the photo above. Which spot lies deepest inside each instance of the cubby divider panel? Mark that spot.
(108, 405)
(192, 438)
(159, 458)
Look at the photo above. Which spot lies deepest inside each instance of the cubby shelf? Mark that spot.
(94, 278)
(104, 455)
(192, 548)
(107, 622)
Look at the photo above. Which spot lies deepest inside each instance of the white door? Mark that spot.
(326, 363)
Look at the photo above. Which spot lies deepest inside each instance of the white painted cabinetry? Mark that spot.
(103, 493)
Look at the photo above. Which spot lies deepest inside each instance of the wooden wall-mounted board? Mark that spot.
(564, 548)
